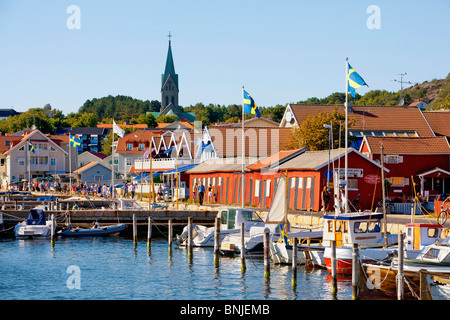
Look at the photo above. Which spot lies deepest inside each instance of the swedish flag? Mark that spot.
(30, 147)
(75, 142)
(354, 80)
(75, 206)
(250, 105)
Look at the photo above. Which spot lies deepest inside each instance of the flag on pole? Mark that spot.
(30, 147)
(75, 142)
(117, 130)
(250, 105)
(354, 80)
(146, 153)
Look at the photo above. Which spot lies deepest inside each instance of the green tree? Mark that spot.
(148, 119)
(313, 135)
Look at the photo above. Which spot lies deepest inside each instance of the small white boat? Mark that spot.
(35, 226)
(127, 204)
(275, 221)
(230, 223)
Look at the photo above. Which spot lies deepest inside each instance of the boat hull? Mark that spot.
(104, 231)
(23, 231)
(344, 257)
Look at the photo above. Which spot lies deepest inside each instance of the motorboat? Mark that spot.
(35, 226)
(275, 222)
(95, 230)
(231, 219)
(127, 204)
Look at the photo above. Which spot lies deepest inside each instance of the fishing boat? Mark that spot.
(95, 230)
(277, 224)
(420, 282)
(35, 226)
(231, 219)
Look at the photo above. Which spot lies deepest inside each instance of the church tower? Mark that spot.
(169, 83)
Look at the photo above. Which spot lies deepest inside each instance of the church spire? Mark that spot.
(169, 81)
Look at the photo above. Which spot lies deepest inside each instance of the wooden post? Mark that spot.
(294, 262)
(400, 276)
(216, 241)
(189, 242)
(266, 254)
(355, 271)
(424, 290)
(53, 229)
(149, 234)
(170, 236)
(134, 231)
(243, 267)
(333, 268)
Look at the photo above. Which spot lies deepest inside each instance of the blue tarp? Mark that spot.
(181, 169)
(154, 175)
(36, 217)
(141, 176)
(51, 198)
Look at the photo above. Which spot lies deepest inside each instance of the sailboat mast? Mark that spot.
(346, 137)
(383, 196)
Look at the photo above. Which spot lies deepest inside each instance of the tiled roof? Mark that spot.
(374, 118)
(273, 159)
(403, 145)
(222, 165)
(136, 137)
(439, 122)
(259, 142)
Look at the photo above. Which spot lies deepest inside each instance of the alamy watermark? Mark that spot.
(74, 280)
(374, 20)
(74, 20)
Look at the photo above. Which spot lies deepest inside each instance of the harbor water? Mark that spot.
(112, 268)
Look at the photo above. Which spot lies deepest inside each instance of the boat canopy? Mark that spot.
(36, 217)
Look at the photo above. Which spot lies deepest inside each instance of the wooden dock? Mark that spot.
(114, 216)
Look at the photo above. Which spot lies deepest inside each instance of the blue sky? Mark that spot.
(281, 51)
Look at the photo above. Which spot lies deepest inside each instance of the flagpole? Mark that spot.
(346, 136)
(243, 154)
(112, 167)
(70, 167)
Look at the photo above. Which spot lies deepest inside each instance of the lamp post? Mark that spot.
(330, 128)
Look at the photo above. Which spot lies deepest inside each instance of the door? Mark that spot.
(416, 234)
(338, 232)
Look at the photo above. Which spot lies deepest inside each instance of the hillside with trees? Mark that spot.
(121, 108)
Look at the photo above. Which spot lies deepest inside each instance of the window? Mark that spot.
(7, 143)
(129, 161)
(330, 226)
(21, 162)
(360, 227)
(352, 184)
(22, 148)
(53, 162)
(129, 146)
(251, 216)
(52, 149)
(141, 146)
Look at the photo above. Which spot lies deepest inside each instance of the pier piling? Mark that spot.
(170, 236)
(149, 234)
(355, 271)
(189, 242)
(243, 266)
(333, 268)
(53, 229)
(216, 241)
(294, 262)
(134, 231)
(400, 275)
(266, 253)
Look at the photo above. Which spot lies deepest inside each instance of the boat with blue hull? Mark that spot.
(95, 231)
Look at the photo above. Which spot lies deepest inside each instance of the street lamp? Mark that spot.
(330, 128)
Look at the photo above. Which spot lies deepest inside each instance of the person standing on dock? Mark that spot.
(201, 192)
(133, 188)
(194, 192)
(325, 199)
